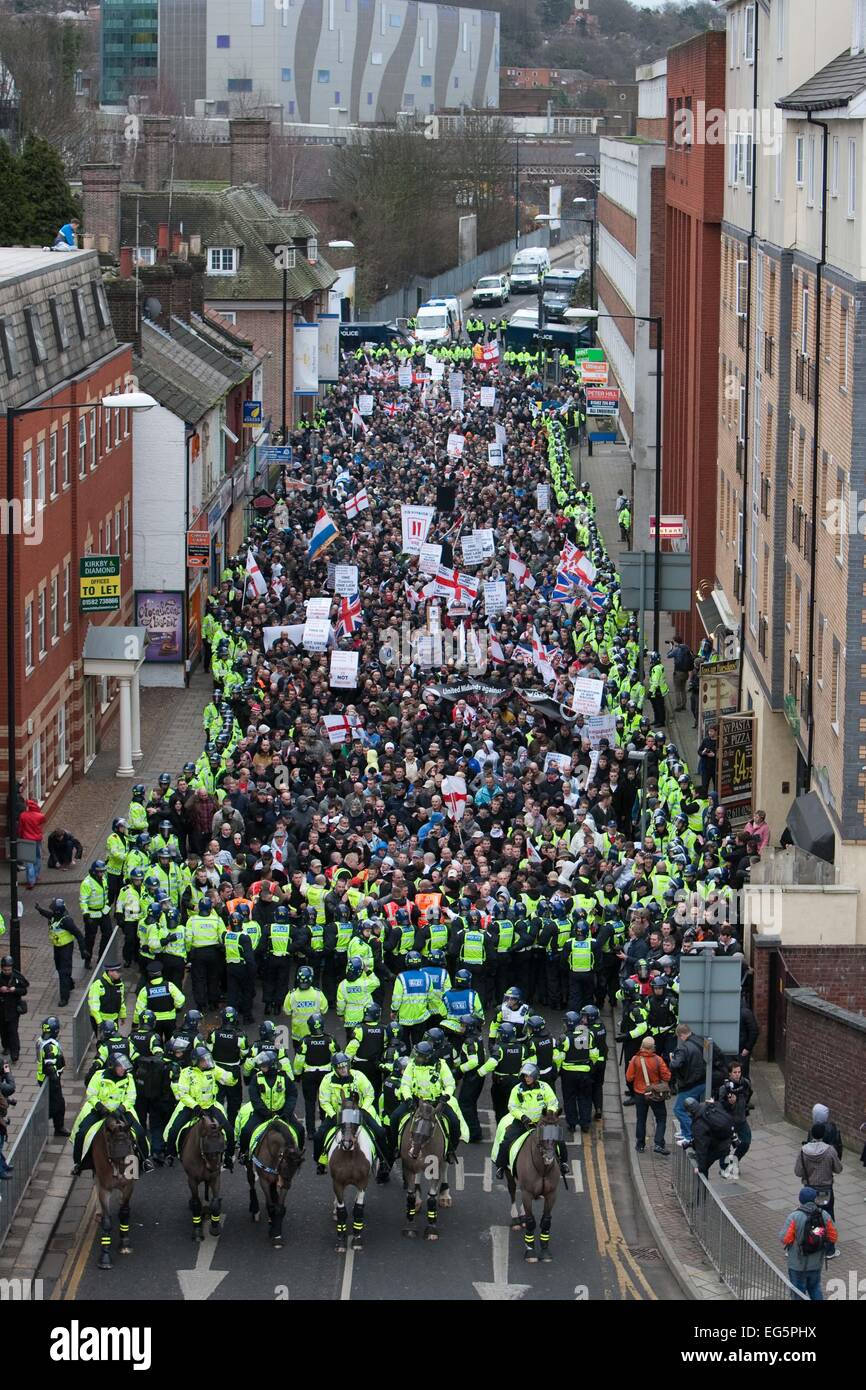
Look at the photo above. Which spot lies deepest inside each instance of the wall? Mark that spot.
(825, 1061)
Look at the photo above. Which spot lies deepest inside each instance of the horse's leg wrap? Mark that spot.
(545, 1225)
(216, 1207)
(358, 1217)
(105, 1228)
(529, 1232)
(123, 1221)
(432, 1209)
(195, 1207)
(342, 1219)
(410, 1204)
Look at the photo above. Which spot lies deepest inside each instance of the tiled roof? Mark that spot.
(835, 85)
(184, 370)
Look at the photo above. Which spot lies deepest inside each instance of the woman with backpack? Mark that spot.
(808, 1235)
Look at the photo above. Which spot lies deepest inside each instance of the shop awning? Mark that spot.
(710, 615)
(811, 828)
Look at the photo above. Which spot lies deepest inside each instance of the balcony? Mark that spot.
(804, 378)
(769, 348)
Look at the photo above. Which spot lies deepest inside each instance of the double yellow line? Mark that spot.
(66, 1288)
(630, 1280)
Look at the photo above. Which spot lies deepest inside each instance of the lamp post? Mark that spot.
(131, 400)
(284, 261)
(588, 222)
(657, 321)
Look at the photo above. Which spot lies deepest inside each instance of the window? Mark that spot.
(52, 464)
(62, 758)
(810, 172)
(55, 610)
(100, 304)
(376, 59)
(82, 446)
(126, 424)
(287, 74)
(126, 525)
(58, 318)
(842, 514)
(799, 160)
(426, 80)
(10, 352)
(290, 108)
(92, 440)
(741, 415)
(780, 28)
(734, 34)
(40, 473)
(223, 41)
(229, 314)
(34, 335)
(749, 34)
(834, 168)
(116, 426)
(66, 572)
(27, 484)
(312, 249)
(36, 765)
(835, 677)
(742, 283)
(819, 650)
(336, 98)
(323, 75)
(81, 317)
(239, 84)
(804, 323)
(222, 260)
(28, 637)
(105, 421)
(780, 164)
(457, 82)
(394, 21)
(369, 98)
(257, 12)
(145, 255)
(858, 32)
(852, 177)
(40, 612)
(843, 347)
(64, 454)
(331, 15)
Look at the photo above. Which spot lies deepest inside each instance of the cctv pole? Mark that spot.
(657, 584)
(285, 348)
(11, 678)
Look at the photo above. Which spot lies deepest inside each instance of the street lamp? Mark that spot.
(130, 400)
(656, 320)
(341, 245)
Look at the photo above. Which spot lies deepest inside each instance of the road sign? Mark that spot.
(252, 415)
(602, 400)
(197, 549)
(709, 997)
(99, 583)
(673, 527)
(676, 585)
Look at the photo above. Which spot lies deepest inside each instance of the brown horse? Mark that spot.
(115, 1169)
(536, 1176)
(201, 1153)
(350, 1163)
(276, 1160)
(422, 1152)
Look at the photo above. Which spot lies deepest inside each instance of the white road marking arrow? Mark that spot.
(198, 1284)
(500, 1290)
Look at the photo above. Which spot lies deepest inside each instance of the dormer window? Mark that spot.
(222, 260)
(312, 250)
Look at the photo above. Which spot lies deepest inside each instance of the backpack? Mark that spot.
(814, 1237)
(718, 1123)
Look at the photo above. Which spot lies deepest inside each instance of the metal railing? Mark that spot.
(24, 1155)
(741, 1265)
(82, 1031)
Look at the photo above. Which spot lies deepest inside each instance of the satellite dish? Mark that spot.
(152, 307)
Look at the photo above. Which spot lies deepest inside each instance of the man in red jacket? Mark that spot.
(31, 827)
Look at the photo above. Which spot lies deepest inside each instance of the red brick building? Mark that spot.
(73, 496)
(694, 196)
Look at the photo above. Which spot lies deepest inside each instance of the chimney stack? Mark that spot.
(122, 307)
(157, 285)
(100, 189)
(181, 289)
(127, 262)
(162, 242)
(250, 151)
(198, 265)
(158, 136)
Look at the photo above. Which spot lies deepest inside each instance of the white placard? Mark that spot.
(473, 553)
(429, 558)
(599, 726)
(495, 597)
(434, 616)
(499, 434)
(329, 576)
(365, 404)
(587, 695)
(346, 580)
(542, 497)
(344, 670)
(404, 376)
(317, 634)
(455, 445)
(425, 651)
(319, 607)
(488, 397)
(558, 760)
(494, 455)
(416, 524)
(305, 346)
(488, 545)
(430, 362)
(437, 370)
(457, 398)
(455, 381)
(294, 632)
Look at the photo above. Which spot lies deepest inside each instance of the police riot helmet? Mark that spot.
(50, 1026)
(267, 1031)
(424, 1051)
(372, 1012)
(341, 1063)
(506, 1032)
(106, 1029)
(266, 1059)
(571, 1020)
(315, 1025)
(193, 1018)
(118, 825)
(515, 994)
(589, 1013)
(121, 1063)
(229, 1016)
(463, 977)
(536, 1024)
(281, 913)
(57, 906)
(437, 957)
(413, 960)
(98, 866)
(201, 1056)
(435, 1036)
(147, 1018)
(305, 977)
(530, 1070)
(355, 968)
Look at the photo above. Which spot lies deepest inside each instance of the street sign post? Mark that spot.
(709, 1000)
(676, 580)
(99, 583)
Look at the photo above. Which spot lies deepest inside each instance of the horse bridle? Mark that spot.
(118, 1130)
(211, 1158)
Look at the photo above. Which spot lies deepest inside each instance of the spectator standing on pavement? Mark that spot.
(757, 829)
(13, 987)
(806, 1237)
(684, 664)
(7, 1087)
(740, 1087)
(707, 751)
(749, 1033)
(817, 1165)
(694, 690)
(821, 1116)
(623, 516)
(649, 1076)
(31, 827)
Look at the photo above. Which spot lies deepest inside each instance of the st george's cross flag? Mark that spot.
(357, 419)
(339, 727)
(522, 578)
(324, 532)
(359, 503)
(348, 616)
(255, 578)
(454, 796)
(456, 587)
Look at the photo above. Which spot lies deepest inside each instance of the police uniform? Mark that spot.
(578, 1055)
(229, 1048)
(312, 1064)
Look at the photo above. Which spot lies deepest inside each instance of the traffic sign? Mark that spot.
(252, 415)
(99, 583)
(673, 528)
(197, 549)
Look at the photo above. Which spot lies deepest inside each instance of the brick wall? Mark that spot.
(826, 1062)
(619, 223)
(657, 244)
(837, 973)
(100, 188)
(250, 142)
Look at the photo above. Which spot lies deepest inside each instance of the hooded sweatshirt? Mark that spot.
(817, 1162)
(821, 1116)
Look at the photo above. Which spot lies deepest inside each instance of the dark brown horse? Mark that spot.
(422, 1152)
(115, 1169)
(350, 1163)
(201, 1153)
(275, 1162)
(536, 1176)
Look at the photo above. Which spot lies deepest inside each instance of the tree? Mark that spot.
(10, 202)
(42, 200)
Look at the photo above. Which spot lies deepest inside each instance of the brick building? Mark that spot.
(73, 480)
(790, 554)
(694, 195)
(233, 225)
(630, 279)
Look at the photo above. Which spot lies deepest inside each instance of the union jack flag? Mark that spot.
(594, 597)
(564, 589)
(348, 617)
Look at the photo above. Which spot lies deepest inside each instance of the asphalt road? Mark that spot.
(600, 1245)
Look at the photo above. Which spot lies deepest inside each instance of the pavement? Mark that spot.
(171, 732)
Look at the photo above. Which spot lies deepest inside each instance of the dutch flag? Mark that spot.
(324, 532)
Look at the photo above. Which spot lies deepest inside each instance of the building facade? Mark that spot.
(630, 281)
(73, 480)
(129, 63)
(790, 554)
(373, 57)
(694, 195)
